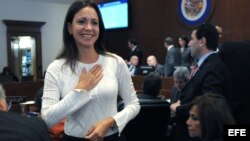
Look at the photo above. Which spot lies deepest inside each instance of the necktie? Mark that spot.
(131, 70)
(194, 68)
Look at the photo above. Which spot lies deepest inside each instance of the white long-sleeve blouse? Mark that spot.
(84, 108)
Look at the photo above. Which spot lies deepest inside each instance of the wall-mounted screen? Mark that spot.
(115, 14)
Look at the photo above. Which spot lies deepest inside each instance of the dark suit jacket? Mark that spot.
(137, 52)
(175, 95)
(15, 127)
(236, 56)
(146, 96)
(212, 76)
(159, 69)
(173, 58)
(137, 70)
(151, 122)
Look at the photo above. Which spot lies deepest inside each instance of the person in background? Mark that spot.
(187, 59)
(158, 68)
(134, 50)
(220, 31)
(207, 116)
(151, 87)
(15, 127)
(134, 66)
(173, 57)
(210, 76)
(7, 72)
(181, 78)
(83, 83)
(151, 123)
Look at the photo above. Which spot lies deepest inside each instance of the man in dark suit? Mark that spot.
(235, 54)
(15, 127)
(134, 50)
(158, 68)
(173, 57)
(133, 67)
(211, 76)
(151, 87)
(153, 109)
(181, 78)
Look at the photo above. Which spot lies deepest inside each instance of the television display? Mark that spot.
(114, 14)
(145, 70)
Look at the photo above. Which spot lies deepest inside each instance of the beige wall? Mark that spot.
(50, 11)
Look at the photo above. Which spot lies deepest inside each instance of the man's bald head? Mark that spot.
(151, 60)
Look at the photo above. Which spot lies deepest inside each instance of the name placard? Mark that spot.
(16, 99)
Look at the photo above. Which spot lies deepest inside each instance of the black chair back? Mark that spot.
(151, 123)
(236, 56)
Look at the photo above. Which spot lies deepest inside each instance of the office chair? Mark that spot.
(236, 56)
(151, 122)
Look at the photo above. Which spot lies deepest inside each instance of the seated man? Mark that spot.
(151, 87)
(158, 68)
(9, 75)
(15, 127)
(151, 122)
(181, 77)
(134, 66)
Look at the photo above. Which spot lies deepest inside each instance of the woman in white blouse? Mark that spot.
(83, 83)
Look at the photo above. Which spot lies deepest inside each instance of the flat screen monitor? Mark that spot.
(145, 70)
(115, 14)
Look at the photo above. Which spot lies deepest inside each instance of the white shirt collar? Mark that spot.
(134, 48)
(171, 46)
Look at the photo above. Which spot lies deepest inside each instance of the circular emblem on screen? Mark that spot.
(194, 12)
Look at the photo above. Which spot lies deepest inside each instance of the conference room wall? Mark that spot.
(152, 21)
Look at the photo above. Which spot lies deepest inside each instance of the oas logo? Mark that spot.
(194, 12)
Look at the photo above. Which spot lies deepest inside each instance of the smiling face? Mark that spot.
(85, 27)
(193, 123)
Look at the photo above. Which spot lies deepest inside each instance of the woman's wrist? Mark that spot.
(111, 122)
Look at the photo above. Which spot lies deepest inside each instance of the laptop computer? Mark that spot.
(145, 70)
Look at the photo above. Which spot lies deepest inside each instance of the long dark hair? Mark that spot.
(70, 51)
(213, 113)
(185, 38)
